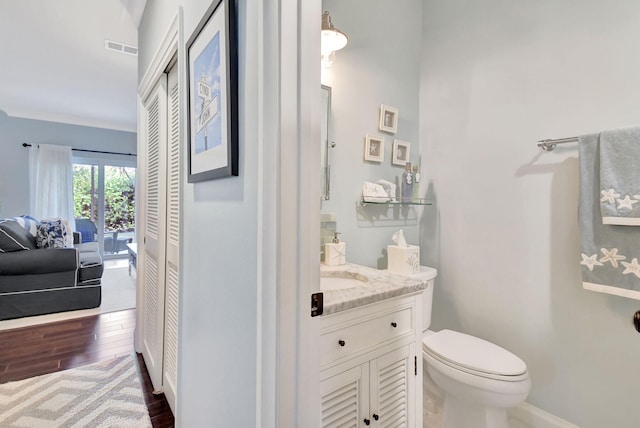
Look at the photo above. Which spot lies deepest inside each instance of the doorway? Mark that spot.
(104, 203)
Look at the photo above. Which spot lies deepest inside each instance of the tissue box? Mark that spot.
(403, 260)
(335, 254)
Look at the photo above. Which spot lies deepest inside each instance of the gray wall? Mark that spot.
(379, 65)
(14, 162)
(218, 308)
(497, 76)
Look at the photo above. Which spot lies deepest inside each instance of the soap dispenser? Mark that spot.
(335, 252)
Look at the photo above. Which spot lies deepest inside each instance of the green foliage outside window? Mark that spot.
(119, 190)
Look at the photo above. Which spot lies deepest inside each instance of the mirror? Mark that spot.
(325, 178)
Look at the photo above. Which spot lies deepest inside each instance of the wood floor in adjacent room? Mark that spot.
(32, 351)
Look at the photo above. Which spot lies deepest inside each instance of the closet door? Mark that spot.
(170, 372)
(154, 231)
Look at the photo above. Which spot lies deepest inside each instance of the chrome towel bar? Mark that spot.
(550, 144)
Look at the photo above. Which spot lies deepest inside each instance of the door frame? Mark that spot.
(290, 89)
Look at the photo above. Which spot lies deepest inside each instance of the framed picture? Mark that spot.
(388, 119)
(374, 148)
(401, 152)
(212, 106)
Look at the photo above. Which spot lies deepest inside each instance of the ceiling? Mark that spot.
(55, 66)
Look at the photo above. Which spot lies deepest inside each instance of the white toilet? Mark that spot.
(478, 379)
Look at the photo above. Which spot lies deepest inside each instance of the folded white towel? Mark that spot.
(389, 187)
(372, 192)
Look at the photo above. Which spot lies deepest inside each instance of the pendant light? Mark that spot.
(332, 40)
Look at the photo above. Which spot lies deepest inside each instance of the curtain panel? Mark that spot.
(51, 182)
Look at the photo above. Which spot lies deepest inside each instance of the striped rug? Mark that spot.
(104, 394)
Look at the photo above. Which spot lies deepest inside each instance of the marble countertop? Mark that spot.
(379, 285)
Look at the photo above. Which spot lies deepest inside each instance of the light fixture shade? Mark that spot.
(332, 39)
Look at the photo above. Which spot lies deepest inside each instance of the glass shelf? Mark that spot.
(387, 202)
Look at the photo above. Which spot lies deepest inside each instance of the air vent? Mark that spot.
(120, 47)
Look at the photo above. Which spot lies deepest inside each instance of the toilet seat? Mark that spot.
(475, 356)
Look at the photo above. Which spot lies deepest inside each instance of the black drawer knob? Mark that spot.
(636, 321)
(394, 324)
(375, 417)
(366, 421)
(341, 342)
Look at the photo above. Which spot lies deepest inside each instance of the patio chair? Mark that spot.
(87, 229)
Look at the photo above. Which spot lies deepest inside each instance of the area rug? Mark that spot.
(118, 290)
(104, 394)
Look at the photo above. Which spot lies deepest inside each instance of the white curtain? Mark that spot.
(51, 182)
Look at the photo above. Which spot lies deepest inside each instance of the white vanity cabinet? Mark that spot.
(371, 365)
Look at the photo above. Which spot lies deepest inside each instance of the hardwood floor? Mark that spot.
(32, 351)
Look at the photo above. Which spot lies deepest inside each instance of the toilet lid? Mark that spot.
(474, 354)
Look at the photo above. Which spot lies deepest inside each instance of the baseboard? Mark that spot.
(528, 416)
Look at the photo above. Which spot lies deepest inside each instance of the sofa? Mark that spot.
(43, 270)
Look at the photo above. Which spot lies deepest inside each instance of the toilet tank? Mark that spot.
(428, 274)
(427, 305)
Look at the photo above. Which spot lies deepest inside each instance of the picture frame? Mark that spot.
(388, 119)
(401, 152)
(374, 148)
(212, 95)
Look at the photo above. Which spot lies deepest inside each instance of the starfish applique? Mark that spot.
(590, 261)
(611, 256)
(626, 202)
(609, 196)
(632, 267)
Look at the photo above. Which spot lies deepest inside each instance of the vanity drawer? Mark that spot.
(361, 333)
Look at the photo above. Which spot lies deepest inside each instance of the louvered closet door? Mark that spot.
(345, 398)
(154, 231)
(170, 373)
(392, 379)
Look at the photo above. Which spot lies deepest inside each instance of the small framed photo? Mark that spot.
(374, 148)
(401, 152)
(388, 119)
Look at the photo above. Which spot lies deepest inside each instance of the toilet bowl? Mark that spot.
(479, 379)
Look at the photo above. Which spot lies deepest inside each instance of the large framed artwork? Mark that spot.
(212, 106)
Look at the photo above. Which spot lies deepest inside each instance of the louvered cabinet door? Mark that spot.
(392, 385)
(154, 230)
(344, 398)
(170, 373)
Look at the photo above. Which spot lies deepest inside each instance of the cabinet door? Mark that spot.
(392, 389)
(345, 398)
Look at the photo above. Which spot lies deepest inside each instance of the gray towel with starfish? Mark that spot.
(620, 176)
(610, 253)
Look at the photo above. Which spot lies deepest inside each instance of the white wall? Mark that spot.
(379, 65)
(497, 76)
(218, 324)
(14, 162)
